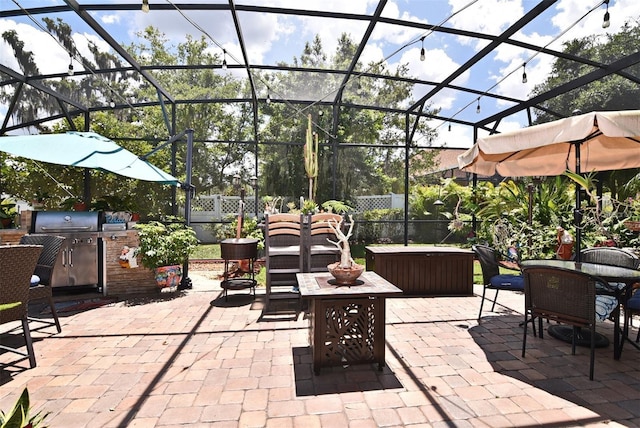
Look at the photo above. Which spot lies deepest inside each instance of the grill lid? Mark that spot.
(66, 221)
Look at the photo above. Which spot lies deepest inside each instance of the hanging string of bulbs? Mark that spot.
(606, 23)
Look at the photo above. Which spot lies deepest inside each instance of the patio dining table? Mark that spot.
(607, 272)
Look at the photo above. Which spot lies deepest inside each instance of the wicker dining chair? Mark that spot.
(17, 263)
(565, 296)
(41, 288)
(606, 304)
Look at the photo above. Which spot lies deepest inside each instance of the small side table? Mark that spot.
(347, 324)
(239, 249)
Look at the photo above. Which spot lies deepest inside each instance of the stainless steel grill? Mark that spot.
(79, 262)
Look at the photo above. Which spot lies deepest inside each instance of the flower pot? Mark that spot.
(345, 276)
(168, 276)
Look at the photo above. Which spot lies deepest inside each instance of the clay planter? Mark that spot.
(168, 276)
(345, 276)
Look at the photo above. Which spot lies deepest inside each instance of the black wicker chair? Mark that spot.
(42, 290)
(17, 263)
(563, 295)
(492, 278)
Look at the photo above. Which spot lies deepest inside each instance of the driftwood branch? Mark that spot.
(343, 241)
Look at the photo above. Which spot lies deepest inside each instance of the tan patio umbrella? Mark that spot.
(596, 141)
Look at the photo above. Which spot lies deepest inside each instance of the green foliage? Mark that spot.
(165, 245)
(612, 92)
(8, 209)
(503, 215)
(373, 231)
(19, 416)
(337, 207)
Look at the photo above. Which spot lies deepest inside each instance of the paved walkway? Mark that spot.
(190, 359)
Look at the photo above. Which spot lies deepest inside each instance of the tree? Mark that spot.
(342, 158)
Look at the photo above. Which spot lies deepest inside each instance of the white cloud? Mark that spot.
(110, 19)
(49, 56)
(491, 17)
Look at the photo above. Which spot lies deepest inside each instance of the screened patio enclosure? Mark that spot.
(384, 84)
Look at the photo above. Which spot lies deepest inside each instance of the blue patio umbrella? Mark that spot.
(85, 150)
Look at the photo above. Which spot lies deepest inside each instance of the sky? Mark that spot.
(278, 37)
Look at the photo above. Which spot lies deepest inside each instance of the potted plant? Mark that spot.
(346, 271)
(165, 248)
(8, 212)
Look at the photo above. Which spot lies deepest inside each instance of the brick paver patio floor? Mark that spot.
(192, 359)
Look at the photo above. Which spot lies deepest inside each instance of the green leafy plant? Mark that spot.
(165, 245)
(8, 212)
(309, 207)
(19, 416)
(337, 207)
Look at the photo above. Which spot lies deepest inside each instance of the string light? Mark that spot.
(524, 73)
(449, 126)
(224, 59)
(112, 102)
(145, 6)
(70, 71)
(422, 56)
(607, 17)
(268, 100)
(478, 107)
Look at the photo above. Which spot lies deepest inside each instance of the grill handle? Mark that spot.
(65, 229)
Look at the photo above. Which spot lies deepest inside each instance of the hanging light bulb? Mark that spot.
(70, 71)
(478, 108)
(145, 6)
(524, 73)
(112, 103)
(224, 59)
(268, 100)
(422, 56)
(606, 22)
(449, 126)
(607, 17)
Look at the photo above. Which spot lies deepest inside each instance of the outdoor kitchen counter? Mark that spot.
(119, 280)
(424, 270)
(125, 280)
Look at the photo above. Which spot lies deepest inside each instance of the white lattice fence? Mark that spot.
(379, 202)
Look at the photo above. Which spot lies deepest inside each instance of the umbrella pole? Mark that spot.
(577, 213)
